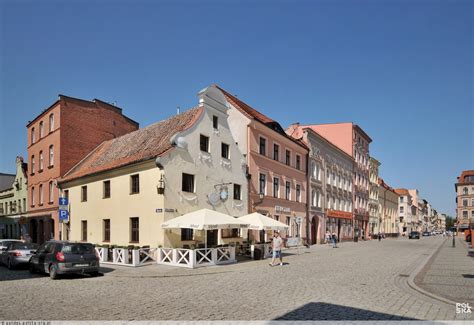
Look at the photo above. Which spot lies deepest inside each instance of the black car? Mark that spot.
(414, 235)
(61, 257)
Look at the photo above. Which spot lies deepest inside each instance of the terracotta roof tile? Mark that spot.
(464, 174)
(401, 191)
(143, 144)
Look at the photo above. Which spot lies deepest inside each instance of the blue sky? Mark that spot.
(402, 70)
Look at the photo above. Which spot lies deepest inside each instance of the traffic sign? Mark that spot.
(63, 215)
(63, 201)
(298, 220)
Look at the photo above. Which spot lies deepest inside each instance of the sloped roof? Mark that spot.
(143, 144)
(401, 191)
(6, 181)
(464, 174)
(252, 113)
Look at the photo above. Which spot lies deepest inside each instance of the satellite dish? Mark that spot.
(213, 198)
(224, 194)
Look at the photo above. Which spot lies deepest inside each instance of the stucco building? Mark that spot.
(123, 191)
(405, 209)
(388, 202)
(354, 141)
(59, 138)
(277, 165)
(13, 202)
(465, 199)
(374, 212)
(329, 186)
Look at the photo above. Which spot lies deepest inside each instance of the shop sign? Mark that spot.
(282, 209)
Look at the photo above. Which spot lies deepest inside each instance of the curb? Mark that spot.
(411, 278)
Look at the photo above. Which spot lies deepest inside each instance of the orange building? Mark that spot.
(59, 138)
(465, 199)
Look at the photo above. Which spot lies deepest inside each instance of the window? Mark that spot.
(41, 126)
(313, 198)
(263, 184)
(298, 162)
(318, 199)
(51, 192)
(33, 139)
(401, 199)
(465, 191)
(288, 223)
(276, 152)
(84, 230)
(225, 150)
(287, 190)
(186, 234)
(106, 225)
(106, 190)
(24, 205)
(33, 164)
(472, 214)
(33, 196)
(464, 214)
(298, 193)
(287, 157)
(84, 194)
(230, 233)
(464, 203)
(187, 184)
(204, 143)
(51, 155)
(276, 187)
(263, 146)
(237, 194)
(41, 194)
(66, 194)
(215, 121)
(472, 202)
(134, 184)
(134, 230)
(328, 176)
(41, 161)
(51, 123)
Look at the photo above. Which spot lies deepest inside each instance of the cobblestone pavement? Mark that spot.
(454, 264)
(358, 281)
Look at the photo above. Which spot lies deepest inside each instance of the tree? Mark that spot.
(449, 222)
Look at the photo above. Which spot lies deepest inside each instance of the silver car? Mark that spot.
(17, 253)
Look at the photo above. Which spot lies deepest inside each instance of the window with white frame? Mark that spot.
(41, 161)
(41, 194)
(51, 155)
(41, 129)
(51, 192)
(298, 193)
(288, 190)
(51, 122)
(276, 187)
(263, 183)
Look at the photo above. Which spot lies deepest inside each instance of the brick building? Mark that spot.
(59, 138)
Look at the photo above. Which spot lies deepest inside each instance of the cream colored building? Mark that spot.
(116, 193)
(388, 209)
(374, 213)
(13, 203)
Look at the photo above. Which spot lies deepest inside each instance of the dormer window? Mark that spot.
(215, 122)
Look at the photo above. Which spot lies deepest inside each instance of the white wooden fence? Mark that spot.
(126, 256)
(193, 258)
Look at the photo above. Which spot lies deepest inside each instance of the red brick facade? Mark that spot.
(78, 127)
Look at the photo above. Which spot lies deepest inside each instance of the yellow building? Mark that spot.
(388, 210)
(127, 187)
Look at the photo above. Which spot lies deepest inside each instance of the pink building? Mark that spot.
(351, 139)
(276, 166)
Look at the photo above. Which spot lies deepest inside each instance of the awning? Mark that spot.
(258, 221)
(204, 219)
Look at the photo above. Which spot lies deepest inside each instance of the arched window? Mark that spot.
(41, 129)
(51, 155)
(32, 164)
(33, 139)
(41, 161)
(51, 123)
(51, 192)
(33, 196)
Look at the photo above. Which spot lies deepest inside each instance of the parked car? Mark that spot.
(61, 257)
(414, 235)
(16, 253)
(4, 242)
(426, 233)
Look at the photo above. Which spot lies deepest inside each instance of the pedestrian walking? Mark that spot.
(334, 240)
(328, 237)
(277, 244)
(380, 236)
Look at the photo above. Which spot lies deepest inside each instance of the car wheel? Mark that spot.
(31, 268)
(53, 272)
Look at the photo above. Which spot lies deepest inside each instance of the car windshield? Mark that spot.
(78, 249)
(24, 246)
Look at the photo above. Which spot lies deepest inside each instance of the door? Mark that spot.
(338, 230)
(211, 238)
(314, 230)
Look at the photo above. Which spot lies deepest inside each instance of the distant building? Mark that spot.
(465, 199)
(59, 138)
(123, 191)
(13, 202)
(388, 201)
(374, 213)
(351, 139)
(329, 186)
(405, 205)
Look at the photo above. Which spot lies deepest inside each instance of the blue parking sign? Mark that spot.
(63, 215)
(63, 201)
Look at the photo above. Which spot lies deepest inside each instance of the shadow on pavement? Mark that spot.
(325, 311)
(22, 273)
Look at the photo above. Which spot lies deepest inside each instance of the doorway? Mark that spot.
(211, 238)
(314, 230)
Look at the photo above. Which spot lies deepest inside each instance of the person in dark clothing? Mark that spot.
(334, 240)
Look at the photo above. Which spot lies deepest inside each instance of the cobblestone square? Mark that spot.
(358, 281)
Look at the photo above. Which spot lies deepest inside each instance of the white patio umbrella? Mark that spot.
(204, 219)
(258, 221)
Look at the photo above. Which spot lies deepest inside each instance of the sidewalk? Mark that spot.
(449, 273)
